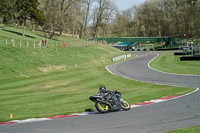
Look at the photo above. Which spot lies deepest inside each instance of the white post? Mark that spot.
(13, 42)
(40, 44)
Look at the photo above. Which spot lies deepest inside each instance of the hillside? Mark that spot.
(47, 59)
(26, 62)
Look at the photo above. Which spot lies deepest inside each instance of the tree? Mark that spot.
(28, 10)
(101, 16)
(6, 10)
(65, 6)
(108, 16)
(165, 18)
(122, 23)
(98, 17)
(86, 15)
(51, 12)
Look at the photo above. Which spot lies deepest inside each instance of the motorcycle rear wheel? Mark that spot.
(101, 107)
(125, 105)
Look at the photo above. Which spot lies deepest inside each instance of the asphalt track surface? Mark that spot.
(177, 113)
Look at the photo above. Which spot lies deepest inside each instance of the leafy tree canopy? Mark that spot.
(6, 10)
(28, 9)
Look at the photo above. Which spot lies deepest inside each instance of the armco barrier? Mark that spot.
(121, 57)
(128, 55)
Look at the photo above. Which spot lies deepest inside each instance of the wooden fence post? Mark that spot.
(27, 44)
(56, 46)
(20, 43)
(40, 44)
(34, 44)
(13, 42)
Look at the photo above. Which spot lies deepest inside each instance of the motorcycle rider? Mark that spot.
(109, 100)
(103, 91)
(108, 94)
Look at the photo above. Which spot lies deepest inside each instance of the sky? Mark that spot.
(125, 4)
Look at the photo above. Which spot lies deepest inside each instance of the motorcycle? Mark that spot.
(111, 101)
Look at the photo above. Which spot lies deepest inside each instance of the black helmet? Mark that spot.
(102, 88)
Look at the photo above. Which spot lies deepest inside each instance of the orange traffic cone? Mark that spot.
(11, 116)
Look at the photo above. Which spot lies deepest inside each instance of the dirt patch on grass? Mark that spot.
(52, 68)
(39, 86)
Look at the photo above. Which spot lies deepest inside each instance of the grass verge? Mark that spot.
(195, 129)
(167, 62)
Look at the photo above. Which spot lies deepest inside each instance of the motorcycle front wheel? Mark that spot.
(101, 107)
(125, 105)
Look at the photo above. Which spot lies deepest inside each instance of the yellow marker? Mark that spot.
(11, 116)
